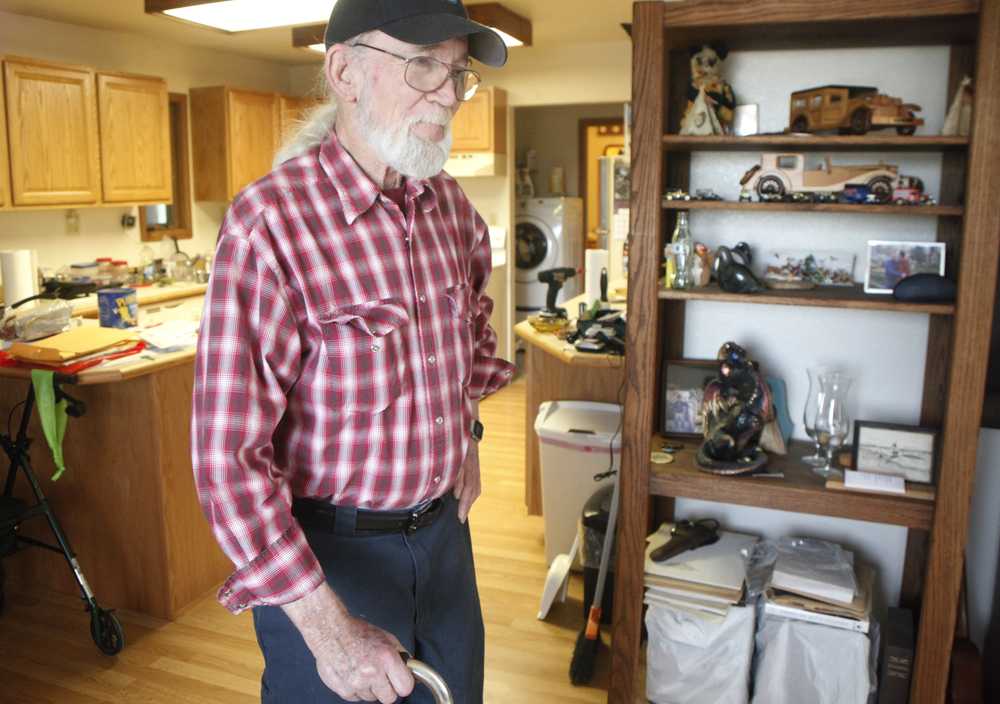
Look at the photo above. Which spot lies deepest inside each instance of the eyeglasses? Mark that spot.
(427, 74)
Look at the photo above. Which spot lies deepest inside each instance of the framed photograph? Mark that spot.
(902, 450)
(684, 382)
(821, 267)
(891, 262)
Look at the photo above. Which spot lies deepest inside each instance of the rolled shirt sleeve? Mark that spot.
(489, 372)
(248, 358)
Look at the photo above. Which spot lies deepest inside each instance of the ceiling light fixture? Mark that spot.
(514, 29)
(243, 15)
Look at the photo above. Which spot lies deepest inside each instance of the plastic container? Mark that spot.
(120, 271)
(84, 271)
(118, 307)
(577, 439)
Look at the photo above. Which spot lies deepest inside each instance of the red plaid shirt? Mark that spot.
(341, 346)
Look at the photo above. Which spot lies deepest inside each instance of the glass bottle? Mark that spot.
(683, 251)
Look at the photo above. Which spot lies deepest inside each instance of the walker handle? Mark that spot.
(429, 677)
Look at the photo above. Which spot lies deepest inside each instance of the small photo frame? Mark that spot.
(745, 120)
(684, 382)
(891, 262)
(901, 450)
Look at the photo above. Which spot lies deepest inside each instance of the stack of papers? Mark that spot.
(855, 616)
(74, 345)
(704, 581)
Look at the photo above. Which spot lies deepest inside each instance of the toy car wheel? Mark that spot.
(801, 124)
(770, 186)
(881, 188)
(907, 130)
(861, 122)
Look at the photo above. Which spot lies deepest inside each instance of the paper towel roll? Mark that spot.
(19, 274)
(594, 261)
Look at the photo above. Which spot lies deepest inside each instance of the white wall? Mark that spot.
(183, 67)
(884, 351)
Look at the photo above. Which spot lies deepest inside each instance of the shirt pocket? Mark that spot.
(459, 299)
(366, 348)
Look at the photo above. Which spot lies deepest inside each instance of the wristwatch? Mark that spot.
(477, 430)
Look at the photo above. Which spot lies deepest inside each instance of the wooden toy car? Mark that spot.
(781, 174)
(854, 109)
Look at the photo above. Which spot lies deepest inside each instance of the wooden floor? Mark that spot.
(209, 656)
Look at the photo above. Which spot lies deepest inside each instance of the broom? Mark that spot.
(588, 643)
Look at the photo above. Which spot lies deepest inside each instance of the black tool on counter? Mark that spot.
(554, 279)
(604, 285)
(687, 535)
(65, 290)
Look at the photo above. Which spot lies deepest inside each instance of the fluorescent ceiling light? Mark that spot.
(319, 48)
(246, 15)
(507, 39)
(512, 28)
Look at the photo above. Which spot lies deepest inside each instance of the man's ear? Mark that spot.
(342, 74)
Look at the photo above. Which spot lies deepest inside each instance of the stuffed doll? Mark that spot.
(710, 99)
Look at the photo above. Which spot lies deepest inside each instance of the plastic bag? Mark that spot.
(694, 660)
(806, 663)
(45, 318)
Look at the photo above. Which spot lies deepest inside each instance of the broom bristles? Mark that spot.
(588, 643)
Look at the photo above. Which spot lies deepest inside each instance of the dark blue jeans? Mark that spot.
(420, 586)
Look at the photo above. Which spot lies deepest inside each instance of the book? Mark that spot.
(859, 610)
(897, 657)
(686, 600)
(720, 564)
(695, 591)
(818, 569)
(717, 616)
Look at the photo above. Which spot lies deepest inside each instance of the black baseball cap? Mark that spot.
(420, 22)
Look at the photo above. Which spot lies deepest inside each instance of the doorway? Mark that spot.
(598, 137)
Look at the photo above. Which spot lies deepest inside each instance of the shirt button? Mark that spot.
(376, 348)
(437, 479)
(241, 605)
(227, 592)
(432, 359)
(422, 298)
(439, 420)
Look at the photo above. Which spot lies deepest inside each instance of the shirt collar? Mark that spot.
(356, 190)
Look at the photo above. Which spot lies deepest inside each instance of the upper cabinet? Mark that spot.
(479, 136)
(292, 110)
(4, 160)
(480, 125)
(234, 135)
(52, 133)
(135, 138)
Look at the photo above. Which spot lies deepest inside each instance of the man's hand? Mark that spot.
(356, 660)
(468, 486)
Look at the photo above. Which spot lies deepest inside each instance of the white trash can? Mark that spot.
(576, 439)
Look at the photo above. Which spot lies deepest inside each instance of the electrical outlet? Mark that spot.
(72, 222)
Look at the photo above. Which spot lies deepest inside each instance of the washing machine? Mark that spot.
(549, 234)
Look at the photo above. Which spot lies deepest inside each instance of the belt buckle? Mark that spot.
(416, 519)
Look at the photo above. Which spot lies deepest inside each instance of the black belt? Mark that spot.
(322, 515)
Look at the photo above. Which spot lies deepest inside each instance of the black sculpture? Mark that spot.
(732, 270)
(737, 407)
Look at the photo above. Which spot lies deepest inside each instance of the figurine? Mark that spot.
(783, 174)
(958, 121)
(737, 407)
(853, 109)
(732, 270)
(710, 99)
(701, 269)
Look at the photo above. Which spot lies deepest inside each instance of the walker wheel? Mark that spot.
(106, 631)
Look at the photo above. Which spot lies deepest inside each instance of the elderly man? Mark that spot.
(344, 347)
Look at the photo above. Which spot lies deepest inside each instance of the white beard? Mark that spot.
(401, 150)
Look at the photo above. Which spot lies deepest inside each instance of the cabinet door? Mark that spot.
(134, 115)
(52, 128)
(292, 110)
(471, 129)
(253, 136)
(4, 161)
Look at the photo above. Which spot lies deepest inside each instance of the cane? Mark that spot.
(429, 677)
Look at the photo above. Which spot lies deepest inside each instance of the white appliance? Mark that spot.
(549, 234)
(613, 213)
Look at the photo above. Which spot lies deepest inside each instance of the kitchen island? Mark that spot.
(127, 500)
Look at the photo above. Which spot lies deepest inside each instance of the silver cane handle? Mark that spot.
(428, 676)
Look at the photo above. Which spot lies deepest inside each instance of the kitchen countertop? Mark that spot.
(87, 307)
(563, 350)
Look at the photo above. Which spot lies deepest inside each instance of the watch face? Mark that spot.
(477, 430)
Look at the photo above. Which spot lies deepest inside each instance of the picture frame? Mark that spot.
(905, 451)
(684, 382)
(890, 262)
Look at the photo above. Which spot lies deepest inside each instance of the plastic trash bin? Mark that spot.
(577, 439)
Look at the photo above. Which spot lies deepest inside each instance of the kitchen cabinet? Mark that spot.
(4, 160)
(52, 133)
(234, 136)
(134, 116)
(480, 125)
(291, 110)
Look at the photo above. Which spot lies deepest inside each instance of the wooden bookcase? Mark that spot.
(968, 221)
